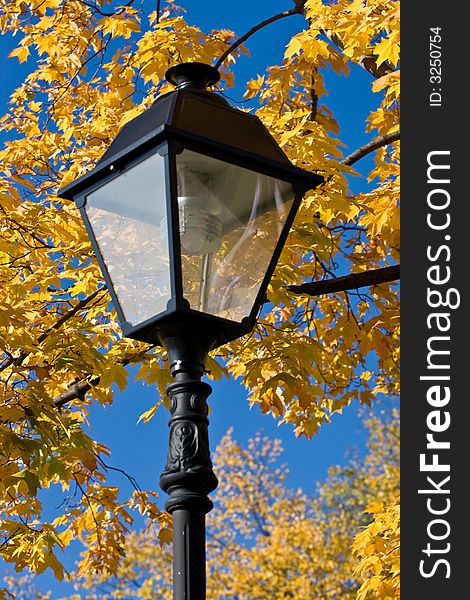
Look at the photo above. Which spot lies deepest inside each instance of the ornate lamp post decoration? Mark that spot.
(188, 211)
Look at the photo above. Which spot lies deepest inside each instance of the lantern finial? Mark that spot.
(193, 75)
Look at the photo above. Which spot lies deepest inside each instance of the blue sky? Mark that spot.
(141, 449)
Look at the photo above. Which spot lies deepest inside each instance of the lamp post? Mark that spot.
(188, 211)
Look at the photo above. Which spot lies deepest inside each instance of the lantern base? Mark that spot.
(179, 322)
(187, 346)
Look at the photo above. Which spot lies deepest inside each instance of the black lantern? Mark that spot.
(188, 211)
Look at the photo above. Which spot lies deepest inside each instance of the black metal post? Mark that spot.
(188, 477)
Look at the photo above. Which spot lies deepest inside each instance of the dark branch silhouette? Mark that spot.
(348, 282)
(314, 288)
(374, 144)
(287, 13)
(18, 360)
(78, 389)
(74, 392)
(367, 62)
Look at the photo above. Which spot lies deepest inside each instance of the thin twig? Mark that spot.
(158, 11)
(243, 38)
(103, 13)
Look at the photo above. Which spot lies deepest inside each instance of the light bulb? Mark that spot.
(200, 229)
(198, 210)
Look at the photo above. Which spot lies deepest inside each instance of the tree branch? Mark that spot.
(348, 282)
(74, 392)
(79, 389)
(69, 314)
(367, 61)
(103, 13)
(287, 13)
(17, 361)
(158, 11)
(388, 138)
(313, 99)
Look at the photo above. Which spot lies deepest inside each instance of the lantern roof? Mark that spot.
(201, 113)
(191, 111)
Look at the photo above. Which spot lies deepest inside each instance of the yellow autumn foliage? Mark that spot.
(266, 540)
(92, 67)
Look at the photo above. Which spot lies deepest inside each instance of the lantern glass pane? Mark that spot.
(128, 218)
(230, 221)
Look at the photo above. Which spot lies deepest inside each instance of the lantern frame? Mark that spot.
(169, 141)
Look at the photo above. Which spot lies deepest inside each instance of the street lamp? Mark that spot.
(188, 211)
